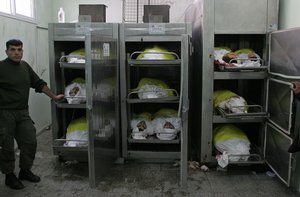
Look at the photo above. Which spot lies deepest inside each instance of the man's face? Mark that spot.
(15, 53)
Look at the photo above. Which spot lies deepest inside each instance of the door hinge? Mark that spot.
(191, 49)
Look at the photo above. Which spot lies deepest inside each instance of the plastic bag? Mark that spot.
(75, 93)
(166, 124)
(241, 58)
(141, 126)
(219, 52)
(248, 58)
(77, 56)
(228, 100)
(233, 141)
(167, 128)
(152, 88)
(156, 53)
(77, 133)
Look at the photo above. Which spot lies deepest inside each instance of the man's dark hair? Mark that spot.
(13, 42)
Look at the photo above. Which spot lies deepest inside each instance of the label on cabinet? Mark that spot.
(106, 52)
(83, 27)
(157, 28)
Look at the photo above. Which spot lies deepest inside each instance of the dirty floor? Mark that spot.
(64, 179)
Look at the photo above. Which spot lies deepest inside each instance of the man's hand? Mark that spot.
(58, 97)
(296, 87)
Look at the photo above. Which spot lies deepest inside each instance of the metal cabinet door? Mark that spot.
(278, 128)
(102, 103)
(276, 155)
(279, 104)
(244, 16)
(285, 53)
(285, 67)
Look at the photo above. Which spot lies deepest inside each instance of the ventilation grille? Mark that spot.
(133, 10)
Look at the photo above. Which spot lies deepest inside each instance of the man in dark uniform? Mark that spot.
(16, 78)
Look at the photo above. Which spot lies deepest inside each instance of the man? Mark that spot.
(16, 78)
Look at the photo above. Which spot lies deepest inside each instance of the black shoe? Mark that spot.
(13, 182)
(29, 176)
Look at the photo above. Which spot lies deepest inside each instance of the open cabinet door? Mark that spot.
(285, 54)
(284, 68)
(102, 104)
(276, 155)
(278, 128)
(280, 101)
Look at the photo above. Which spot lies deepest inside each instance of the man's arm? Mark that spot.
(53, 96)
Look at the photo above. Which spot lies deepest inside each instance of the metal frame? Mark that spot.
(283, 124)
(213, 12)
(67, 34)
(181, 34)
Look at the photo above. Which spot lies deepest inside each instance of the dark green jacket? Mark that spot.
(15, 82)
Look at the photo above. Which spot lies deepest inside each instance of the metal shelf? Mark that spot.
(153, 140)
(240, 75)
(153, 62)
(72, 65)
(154, 100)
(71, 106)
(242, 69)
(157, 63)
(68, 38)
(58, 145)
(102, 63)
(220, 119)
(253, 111)
(153, 38)
(132, 97)
(253, 158)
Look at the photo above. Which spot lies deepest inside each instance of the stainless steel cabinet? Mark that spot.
(62, 41)
(100, 69)
(227, 23)
(283, 124)
(233, 24)
(134, 39)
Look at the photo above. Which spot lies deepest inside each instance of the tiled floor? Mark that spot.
(140, 179)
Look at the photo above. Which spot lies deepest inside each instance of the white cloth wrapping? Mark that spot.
(245, 62)
(136, 133)
(80, 96)
(234, 148)
(76, 138)
(234, 104)
(152, 91)
(163, 133)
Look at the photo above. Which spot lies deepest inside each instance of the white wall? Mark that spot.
(177, 9)
(114, 9)
(289, 15)
(71, 8)
(35, 41)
